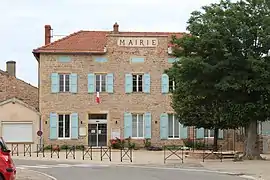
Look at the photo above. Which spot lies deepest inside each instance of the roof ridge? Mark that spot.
(6, 74)
(59, 40)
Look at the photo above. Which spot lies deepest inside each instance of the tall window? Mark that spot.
(64, 126)
(137, 82)
(100, 82)
(174, 127)
(171, 85)
(209, 133)
(64, 82)
(137, 126)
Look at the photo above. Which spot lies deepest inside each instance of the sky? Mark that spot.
(22, 23)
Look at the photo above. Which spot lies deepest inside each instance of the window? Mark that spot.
(100, 82)
(137, 82)
(209, 133)
(64, 82)
(174, 127)
(64, 126)
(137, 126)
(171, 85)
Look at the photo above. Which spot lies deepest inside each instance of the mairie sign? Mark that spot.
(137, 42)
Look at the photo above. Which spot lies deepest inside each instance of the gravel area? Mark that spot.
(24, 174)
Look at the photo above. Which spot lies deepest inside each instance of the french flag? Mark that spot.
(97, 98)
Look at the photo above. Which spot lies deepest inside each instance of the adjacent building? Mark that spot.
(19, 116)
(125, 72)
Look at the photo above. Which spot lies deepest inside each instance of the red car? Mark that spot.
(7, 167)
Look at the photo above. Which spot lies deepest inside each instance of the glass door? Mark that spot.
(97, 134)
(92, 135)
(102, 134)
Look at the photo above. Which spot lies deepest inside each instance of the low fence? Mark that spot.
(86, 152)
(172, 152)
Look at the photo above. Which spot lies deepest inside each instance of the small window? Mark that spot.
(64, 82)
(174, 127)
(63, 126)
(100, 82)
(137, 82)
(171, 85)
(209, 133)
(137, 126)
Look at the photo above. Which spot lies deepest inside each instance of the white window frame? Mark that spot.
(100, 81)
(137, 82)
(173, 119)
(173, 85)
(209, 133)
(64, 116)
(64, 82)
(137, 128)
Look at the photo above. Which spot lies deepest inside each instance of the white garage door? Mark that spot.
(17, 132)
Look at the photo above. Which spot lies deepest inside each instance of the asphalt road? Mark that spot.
(71, 171)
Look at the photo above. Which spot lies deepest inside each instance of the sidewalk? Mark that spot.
(30, 175)
(258, 169)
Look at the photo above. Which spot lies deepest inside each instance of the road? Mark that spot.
(71, 171)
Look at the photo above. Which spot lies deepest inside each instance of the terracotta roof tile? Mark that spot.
(90, 41)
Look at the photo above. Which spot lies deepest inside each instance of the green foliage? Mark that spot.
(223, 78)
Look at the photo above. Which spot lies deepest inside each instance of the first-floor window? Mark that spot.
(171, 85)
(137, 126)
(64, 126)
(209, 133)
(137, 82)
(174, 127)
(64, 82)
(100, 82)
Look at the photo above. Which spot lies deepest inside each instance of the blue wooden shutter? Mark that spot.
(73, 83)
(164, 126)
(74, 126)
(164, 83)
(183, 132)
(53, 126)
(127, 125)
(146, 83)
(220, 133)
(91, 83)
(200, 133)
(128, 83)
(109, 83)
(148, 123)
(54, 82)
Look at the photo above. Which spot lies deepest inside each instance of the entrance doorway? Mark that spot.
(97, 130)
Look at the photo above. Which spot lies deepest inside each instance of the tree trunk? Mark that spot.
(215, 145)
(252, 149)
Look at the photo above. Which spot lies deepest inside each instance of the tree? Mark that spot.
(223, 77)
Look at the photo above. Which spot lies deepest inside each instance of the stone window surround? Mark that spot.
(173, 119)
(137, 82)
(137, 119)
(66, 87)
(63, 114)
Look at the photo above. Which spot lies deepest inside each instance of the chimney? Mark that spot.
(11, 68)
(115, 28)
(48, 34)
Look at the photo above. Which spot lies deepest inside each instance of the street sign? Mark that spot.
(39, 133)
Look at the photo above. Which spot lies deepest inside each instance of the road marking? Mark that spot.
(44, 174)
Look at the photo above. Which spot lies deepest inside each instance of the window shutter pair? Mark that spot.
(200, 133)
(128, 125)
(92, 82)
(129, 83)
(164, 118)
(73, 83)
(54, 126)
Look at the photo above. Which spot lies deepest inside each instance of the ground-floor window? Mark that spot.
(174, 127)
(63, 126)
(209, 133)
(137, 126)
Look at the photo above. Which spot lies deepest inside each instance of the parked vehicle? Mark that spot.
(7, 167)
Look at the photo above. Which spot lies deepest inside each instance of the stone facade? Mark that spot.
(113, 104)
(11, 87)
